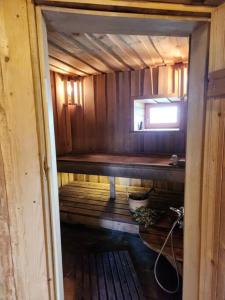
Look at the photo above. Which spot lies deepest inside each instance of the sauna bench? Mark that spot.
(130, 166)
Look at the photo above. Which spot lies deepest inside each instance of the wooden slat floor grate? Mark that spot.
(107, 276)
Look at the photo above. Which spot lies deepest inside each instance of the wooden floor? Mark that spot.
(107, 276)
(79, 241)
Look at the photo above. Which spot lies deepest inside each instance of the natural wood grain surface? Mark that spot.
(111, 52)
(101, 120)
(22, 196)
(148, 160)
(212, 267)
(194, 160)
(89, 204)
(108, 275)
(145, 167)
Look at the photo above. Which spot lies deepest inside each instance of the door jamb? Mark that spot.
(52, 171)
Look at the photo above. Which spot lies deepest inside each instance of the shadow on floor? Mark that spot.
(79, 239)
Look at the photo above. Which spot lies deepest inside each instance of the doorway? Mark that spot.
(199, 31)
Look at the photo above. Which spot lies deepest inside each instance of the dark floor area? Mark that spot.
(79, 239)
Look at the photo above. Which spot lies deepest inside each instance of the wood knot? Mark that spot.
(219, 114)
(6, 58)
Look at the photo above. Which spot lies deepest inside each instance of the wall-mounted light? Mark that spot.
(75, 89)
(69, 92)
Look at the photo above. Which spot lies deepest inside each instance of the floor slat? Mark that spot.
(107, 276)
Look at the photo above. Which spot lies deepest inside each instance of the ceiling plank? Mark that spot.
(135, 50)
(60, 70)
(149, 47)
(64, 65)
(125, 51)
(68, 42)
(143, 53)
(172, 49)
(83, 65)
(108, 51)
(97, 57)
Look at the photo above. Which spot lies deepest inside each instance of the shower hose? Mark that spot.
(170, 235)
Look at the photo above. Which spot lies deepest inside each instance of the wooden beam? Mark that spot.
(107, 51)
(74, 56)
(135, 4)
(112, 182)
(89, 21)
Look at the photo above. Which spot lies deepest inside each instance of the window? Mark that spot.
(158, 114)
(162, 116)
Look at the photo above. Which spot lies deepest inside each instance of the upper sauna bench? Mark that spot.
(155, 167)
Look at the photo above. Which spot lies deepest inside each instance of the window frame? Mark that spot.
(161, 126)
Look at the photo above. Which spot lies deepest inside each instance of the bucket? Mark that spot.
(137, 200)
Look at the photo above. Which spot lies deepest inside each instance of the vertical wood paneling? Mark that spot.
(89, 115)
(111, 112)
(212, 267)
(101, 123)
(100, 111)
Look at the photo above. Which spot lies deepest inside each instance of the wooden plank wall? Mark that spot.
(24, 256)
(212, 269)
(102, 120)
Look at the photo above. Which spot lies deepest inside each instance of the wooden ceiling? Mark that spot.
(86, 54)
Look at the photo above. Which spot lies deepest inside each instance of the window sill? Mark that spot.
(157, 130)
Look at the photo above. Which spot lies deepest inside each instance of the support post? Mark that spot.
(112, 188)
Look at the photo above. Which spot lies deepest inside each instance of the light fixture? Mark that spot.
(69, 92)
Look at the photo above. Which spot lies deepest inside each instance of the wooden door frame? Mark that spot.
(194, 158)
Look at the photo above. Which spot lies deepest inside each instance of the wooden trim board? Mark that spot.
(50, 158)
(26, 265)
(194, 160)
(135, 4)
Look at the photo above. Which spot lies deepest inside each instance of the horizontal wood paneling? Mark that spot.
(125, 183)
(101, 122)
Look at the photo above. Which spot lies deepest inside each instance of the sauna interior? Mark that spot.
(120, 106)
